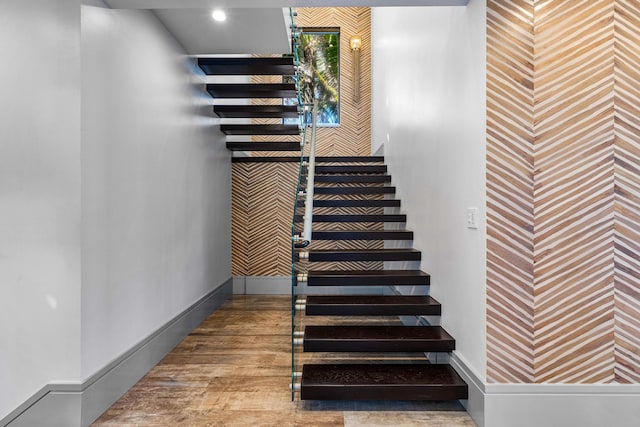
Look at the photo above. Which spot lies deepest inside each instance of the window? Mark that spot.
(319, 54)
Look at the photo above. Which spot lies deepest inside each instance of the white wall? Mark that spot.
(156, 178)
(429, 118)
(39, 196)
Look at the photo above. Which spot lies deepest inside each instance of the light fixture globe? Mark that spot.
(219, 15)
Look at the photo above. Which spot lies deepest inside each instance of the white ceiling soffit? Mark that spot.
(210, 4)
(248, 30)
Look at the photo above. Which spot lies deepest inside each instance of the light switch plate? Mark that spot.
(472, 218)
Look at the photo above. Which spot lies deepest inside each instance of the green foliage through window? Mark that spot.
(319, 54)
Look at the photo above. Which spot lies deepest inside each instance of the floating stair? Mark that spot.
(264, 110)
(353, 178)
(359, 218)
(282, 66)
(371, 305)
(263, 146)
(377, 338)
(355, 188)
(354, 169)
(252, 90)
(272, 129)
(362, 235)
(327, 255)
(256, 111)
(381, 382)
(367, 277)
(341, 203)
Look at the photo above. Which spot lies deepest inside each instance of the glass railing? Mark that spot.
(301, 224)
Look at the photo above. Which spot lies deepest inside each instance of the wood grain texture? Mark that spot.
(563, 185)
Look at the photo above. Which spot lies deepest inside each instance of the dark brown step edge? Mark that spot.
(420, 382)
(367, 277)
(256, 111)
(354, 190)
(251, 90)
(353, 178)
(371, 305)
(263, 146)
(329, 255)
(296, 159)
(320, 169)
(356, 218)
(247, 66)
(366, 338)
(350, 203)
(362, 235)
(270, 129)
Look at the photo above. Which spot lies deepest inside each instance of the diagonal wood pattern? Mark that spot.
(563, 185)
(627, 191)
(510, 334)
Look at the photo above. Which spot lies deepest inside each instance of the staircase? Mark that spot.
(353, 343)
(263, 102)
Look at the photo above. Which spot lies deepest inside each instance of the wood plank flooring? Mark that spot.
(234, 370)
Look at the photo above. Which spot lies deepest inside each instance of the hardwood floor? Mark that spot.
(234, 370)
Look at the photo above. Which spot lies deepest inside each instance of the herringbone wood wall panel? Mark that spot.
(563, 152)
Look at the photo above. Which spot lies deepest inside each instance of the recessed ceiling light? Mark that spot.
(219, 15)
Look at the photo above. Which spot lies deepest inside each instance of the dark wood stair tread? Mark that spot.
(366, 277)
(351, 203)
(362, 235)
(354, 190)
(256, 111)
(349, 159)
(366, 338)
(263, 146)
(356, 218)
(381, 382)
(269, 129)
(371, 305)
(353, 178)
(326, 255)
(252, 90)
(344, 169)
(247, 66)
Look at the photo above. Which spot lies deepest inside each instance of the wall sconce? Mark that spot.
(356, 44)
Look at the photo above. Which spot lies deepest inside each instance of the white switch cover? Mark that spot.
(472, 218)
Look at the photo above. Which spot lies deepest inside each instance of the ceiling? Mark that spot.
(252, 26)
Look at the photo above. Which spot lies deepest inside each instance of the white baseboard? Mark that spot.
(79, 404)
(549, 405)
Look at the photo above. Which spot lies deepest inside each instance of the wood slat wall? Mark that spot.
(563, 187)
(263, 193)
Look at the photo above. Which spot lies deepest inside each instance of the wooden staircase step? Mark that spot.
(252, 90)
(381, 382)
(247, 66)
(367, 338)
(353, 203)
(349, 159)
(354, 190)
(328, 255)
(366, 277)
(256, 111)
(353, 178)
(343, 169)
(371, 305)
(271, 129)
(362, 235)
(356, 218)
(263, 146)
